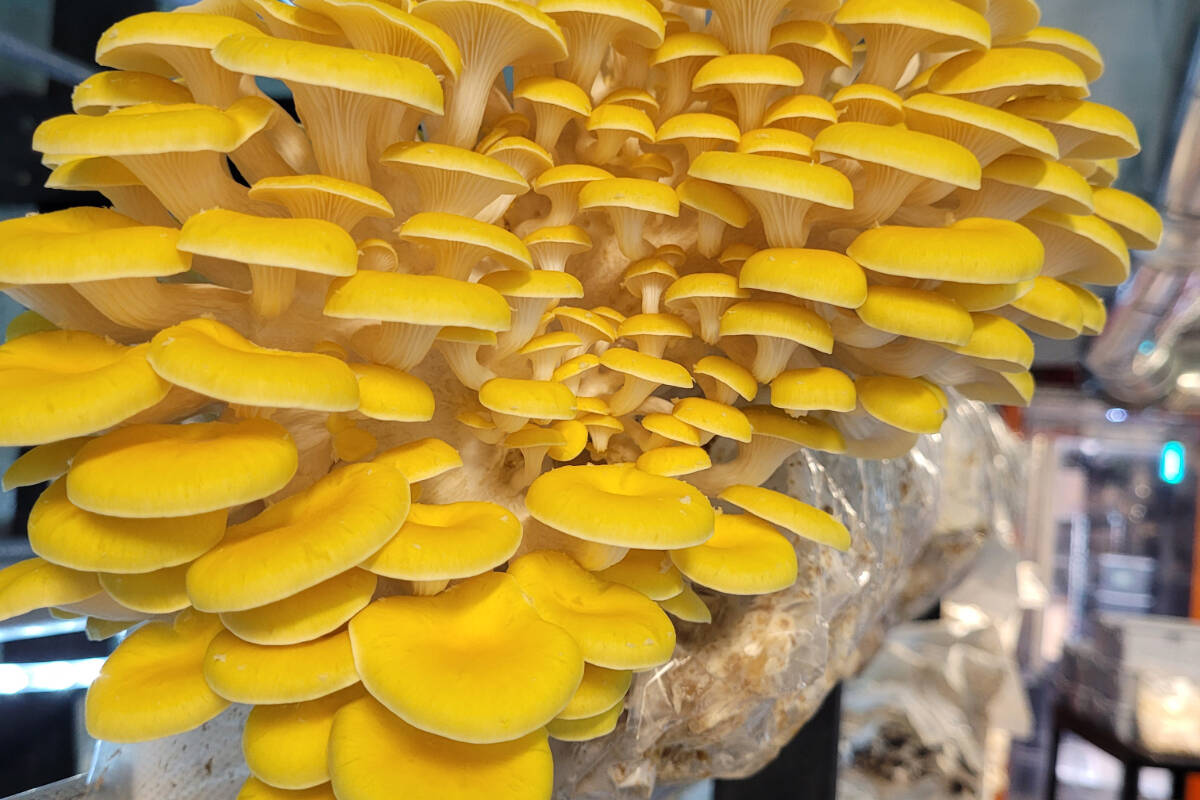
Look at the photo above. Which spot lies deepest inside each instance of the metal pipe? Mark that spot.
(51, 63)
(1137, 359)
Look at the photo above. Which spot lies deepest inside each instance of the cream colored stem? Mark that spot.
(273, 290)
(146, 304)
(68, 310)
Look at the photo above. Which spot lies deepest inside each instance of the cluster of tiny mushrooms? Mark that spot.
(407, 428)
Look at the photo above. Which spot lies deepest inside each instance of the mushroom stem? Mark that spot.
(427, 588)
(631, 395)
(273, 290)
(534, 458)
(867, 437)
(463, 362)
(755, 463)
(333, 119)
(63, 306)
(396, 344)
(190, 182)
(629, 225)
(466, 99)
(771, 356)
(146, 304)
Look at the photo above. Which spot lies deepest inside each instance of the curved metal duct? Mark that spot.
(1148, 351)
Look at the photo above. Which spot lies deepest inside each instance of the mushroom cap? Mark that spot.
(998, 344)
(806, 432)
(71, 537)
(1065, 189)
(309, 245)
(813, 35)
(747, 68)
(1000, 388)
(678, 46)
(162, 591)
(1094, 314)
(368, 741)
(1066, 43)
(130, 44)
(375, 74)
(430, 227)
(302, 540)
(306, 615)
(550, 91)
(1110, 134)
(36, 583)
(712, 417)
(672, 428)
(384, 27)
(773, 175)
(123, 706)
(318, 191)
(86, 244)
(623, 119)
(667, 325)
(800, 107)
(647, 571)
(688, 607)
(560, 235)
(59, 384)
(909, 404)
(699, 126)
(984, 296)
(181, 470)
(778, 320)
(935, 113)
(620, 505)
(286, 744)
(422, 459)
(527, 398)
(458, 664)
(1005, 67)
(813, 389)
(417, 300)
(103, 91)
(555, 341)
(390, 394)
(1136, 220)
(673, 461)
(866, 102)
(540, 283)
(776, 142)
(1054, 309)
(97, 172)
(213, 359)
(823, 276)
(917, 313)
(599, 691)
(254, 789)
(701, 285)
(447, 542)
(636, 194)
(150, 128)
(42, 463)
(575, 366)
(958, 26)
(1085, 249)
(574, 439)
(745, 556)
(909, 151)
(730, 373)
(643, 24)
(288, 673)
(616, 627)
(715, 200)
(582, 730)
(524, 155)
(975, 250)
(434, 159)
(568, 174)
(789, 514)
(25, 323)
(646, 367)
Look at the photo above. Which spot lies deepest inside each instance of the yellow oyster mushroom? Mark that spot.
(648, 571)
(618, 504)
(688, 607)
(459, 664)
(42, 463)
(745, 556)
(582, 730)
(789, 513)
(286, 745)
(302, 540)
(254, 789)
(36, 583)
(599, 691)
(181, 470)
(267, 674)
(374, 755)
(674, 461)
(124, 706)
(616, 627)
(421, 459)
(163, 591)
(306, 615)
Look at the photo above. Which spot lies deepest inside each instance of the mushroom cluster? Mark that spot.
(409, 421)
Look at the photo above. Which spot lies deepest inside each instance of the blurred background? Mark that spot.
(1106, 549)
